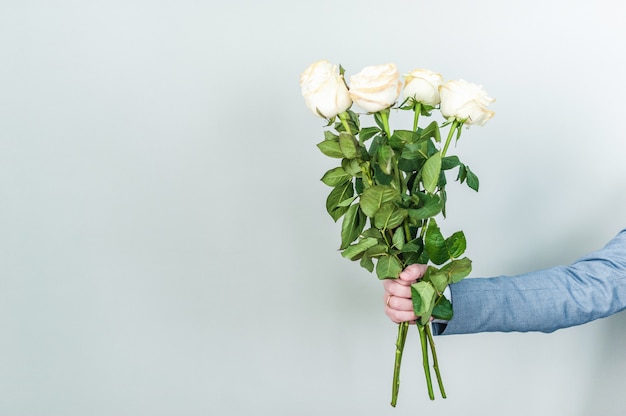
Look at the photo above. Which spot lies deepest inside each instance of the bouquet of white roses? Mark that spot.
(390, 192)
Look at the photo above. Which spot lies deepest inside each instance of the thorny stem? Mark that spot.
(435, 362)
(424, 343)
(395, 387)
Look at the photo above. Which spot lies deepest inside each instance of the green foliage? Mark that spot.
(466, 174)
(335, 177)
(355, 250)
(423, 295)
(348, 145)
(430, 172)
(389, 216)
(457, 270)
(429, 205)
(431, 132)
(441, 249)
(331, 148)
(442, 309)
(375, 196)
(388, 266)
(387, 190)
(353, 223)
(338, 195)
(367, 133)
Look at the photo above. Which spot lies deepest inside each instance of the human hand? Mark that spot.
(397, 297)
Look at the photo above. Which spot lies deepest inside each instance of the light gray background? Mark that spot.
(164, 248)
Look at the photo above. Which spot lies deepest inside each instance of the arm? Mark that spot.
(593, 287)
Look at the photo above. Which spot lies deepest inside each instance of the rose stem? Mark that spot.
(435, 362)
(453, 127)
(344, 120)
(395, 387)
(384, 115)
(417, 109)
(424, 343)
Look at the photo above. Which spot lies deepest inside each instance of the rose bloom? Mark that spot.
(423, 86)
(463, 100)
(376, 87)
(324, 90)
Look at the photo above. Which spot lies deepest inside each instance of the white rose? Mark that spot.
(463, 100)
(423, 86)
(324, 90)
(376, 87)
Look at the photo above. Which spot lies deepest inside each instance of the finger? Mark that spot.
(392, 287)
(412, 273)
(400, 316)
(398, 303)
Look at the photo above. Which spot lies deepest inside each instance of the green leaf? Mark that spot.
(354, 250)
(432, 149)
(441, 250)
(442, 180)
(433, 205)
(450, 162)
(388, 267)
(347, 202)
(379, 120)
(338, 212)
(431, 131)
(336, 197)
(367, 263)
(426, 110)
(389, 216)
(367, 133)
(385, 159)
(399, 138)
(438, 279)
(444, 197)
(377, 250)
(472, 179)
(330, 148)
(381, 177)
(352, 225)
(413, 165)
(378, 140)
(462, 173)
(348, 145)
(358, 185)
(398, 238)
(442, 309)
(351, 166)
(457, 270)
(456, 244)
(336, 177)
(375, 196)
(423, 297)
(430, 172)
(373, 233)
(412, 252)
(415, 245)
(435, 244)
(412, 258)
(415, 151)
(329, 135)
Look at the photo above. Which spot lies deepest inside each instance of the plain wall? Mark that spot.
(164, 247)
